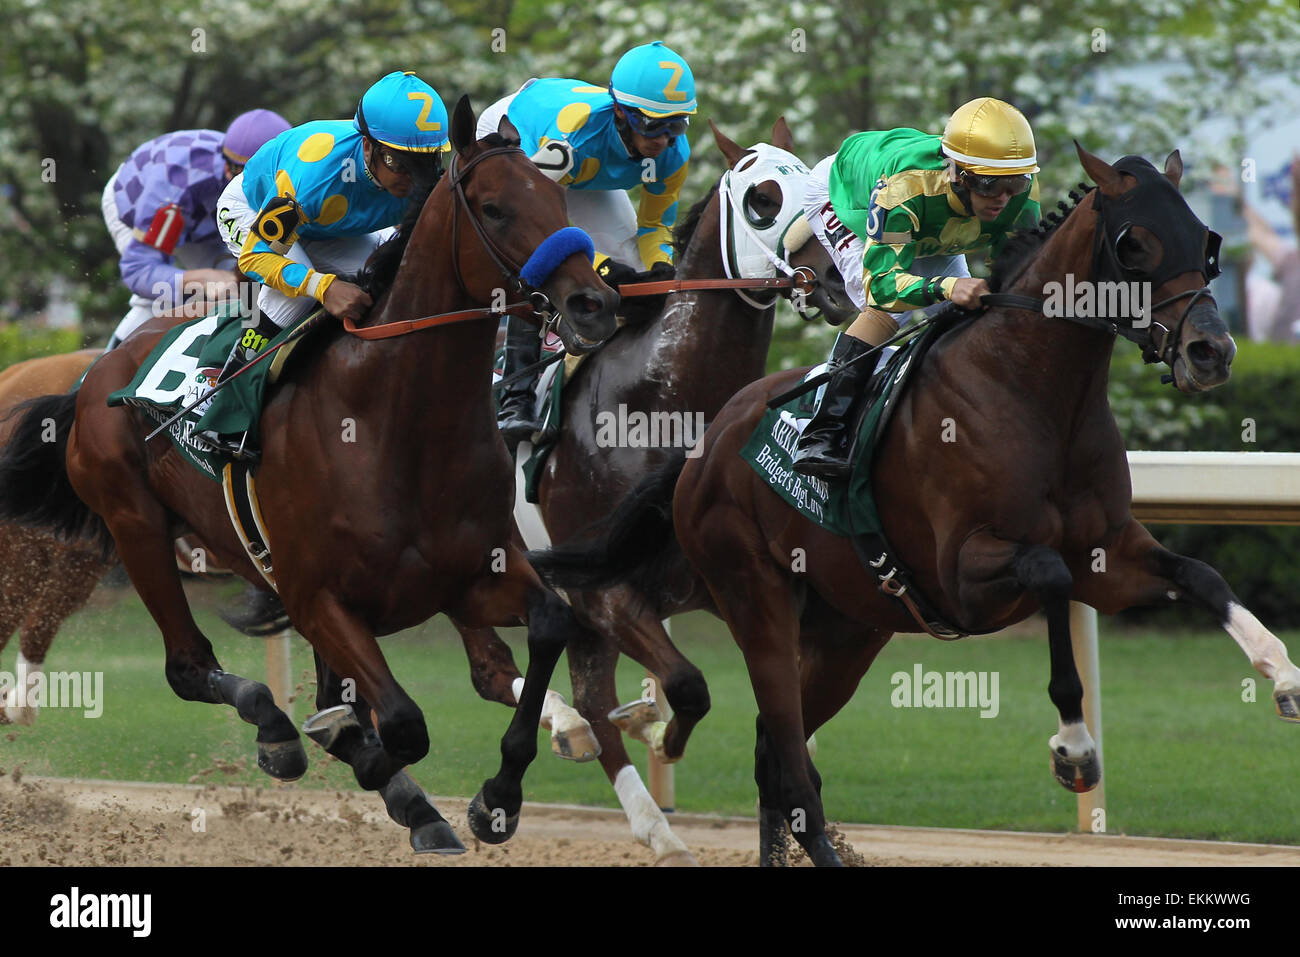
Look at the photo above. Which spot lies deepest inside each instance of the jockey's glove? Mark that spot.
(616, 273)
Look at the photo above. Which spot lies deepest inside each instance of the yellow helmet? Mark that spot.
(990, 137)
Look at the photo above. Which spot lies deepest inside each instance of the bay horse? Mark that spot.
(1001, 522)
(42, 580)
(384, 485)
(703, 346)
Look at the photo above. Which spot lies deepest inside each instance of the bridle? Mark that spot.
(1115, 217)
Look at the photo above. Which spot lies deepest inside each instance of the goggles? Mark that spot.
(982, 184)
(652, 126)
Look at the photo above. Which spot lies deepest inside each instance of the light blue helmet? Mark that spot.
(403, 112)
(655, 80)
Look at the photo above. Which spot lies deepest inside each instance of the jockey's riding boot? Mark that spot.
(246, 349)
(523, 348)
(823, 450)
(256, 613)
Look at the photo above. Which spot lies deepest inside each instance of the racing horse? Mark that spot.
(994, 526)
(678, 368)
(42, 580)
(384, 484)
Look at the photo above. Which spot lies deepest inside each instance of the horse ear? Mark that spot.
(1174, 168)
(729, 149)
(782, 139)
(462, 125)
(1101, 172)
(506, 130)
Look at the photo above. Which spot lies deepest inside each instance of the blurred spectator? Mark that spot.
(1273, 306)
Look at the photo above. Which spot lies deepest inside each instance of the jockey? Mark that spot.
(624, 135)
(315, 202)
(160, 209)
(897, 210)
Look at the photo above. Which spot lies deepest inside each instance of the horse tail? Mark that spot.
(633, 539)
(34, 486)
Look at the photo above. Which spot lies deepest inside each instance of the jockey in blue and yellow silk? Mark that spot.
(626, 134)
(314, 202)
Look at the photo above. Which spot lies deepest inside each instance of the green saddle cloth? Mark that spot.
(844, 507)
(184, 363)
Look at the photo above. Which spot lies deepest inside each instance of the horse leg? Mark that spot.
(347, 732)
(138, 524)
(592, 660)
(764, 621)
(494, 676)
(1141, 572)
(642, 637)
(342, 641)
(502, 599)
(993, 573)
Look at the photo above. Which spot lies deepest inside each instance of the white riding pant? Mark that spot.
(606, 215)
(209, 255)
(343, 255)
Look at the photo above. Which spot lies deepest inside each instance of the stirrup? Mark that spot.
(236, 447)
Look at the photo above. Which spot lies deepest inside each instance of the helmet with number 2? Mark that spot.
(403, 112)
(655, 80)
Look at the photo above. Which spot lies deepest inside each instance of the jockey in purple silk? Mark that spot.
(160, 209)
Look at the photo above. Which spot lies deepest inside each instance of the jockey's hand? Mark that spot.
(343, 300)
(966, 293)
(616, 273)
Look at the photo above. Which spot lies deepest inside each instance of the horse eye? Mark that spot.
(1129, 252)
(492, 211)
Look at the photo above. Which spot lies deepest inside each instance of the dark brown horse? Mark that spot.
(678, 369)
(42, 580)
(993, 526)
(384, 485)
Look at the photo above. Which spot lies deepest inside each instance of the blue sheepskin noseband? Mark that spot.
(555, 248)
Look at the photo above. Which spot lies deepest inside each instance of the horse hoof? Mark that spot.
(1078, 777)
(1288, 705)
(284, 760)
(437, 837)
(632, 719)
(678, 859)
(822, 852)
(490, 825)
(576, 744)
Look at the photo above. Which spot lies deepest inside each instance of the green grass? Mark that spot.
(1184, 755)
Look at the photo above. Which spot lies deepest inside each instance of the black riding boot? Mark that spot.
(523, 348)
(823, 448)
(247, 348)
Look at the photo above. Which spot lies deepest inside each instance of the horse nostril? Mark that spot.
(1202, 353)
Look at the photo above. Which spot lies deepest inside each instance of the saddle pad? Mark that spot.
(184, 363)
(842, 507)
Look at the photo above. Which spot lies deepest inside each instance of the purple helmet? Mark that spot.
(248, 132)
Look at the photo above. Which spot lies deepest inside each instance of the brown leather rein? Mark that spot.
(804, 277)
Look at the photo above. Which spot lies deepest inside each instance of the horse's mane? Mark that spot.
(381, 268)
(685, 230)
(1022, 247)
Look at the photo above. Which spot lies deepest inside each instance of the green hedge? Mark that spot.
(1255, 411)
(19, 342)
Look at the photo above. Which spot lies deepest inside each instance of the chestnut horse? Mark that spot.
(683, 364)
(42, 580)
(384, 485)
(994, 526)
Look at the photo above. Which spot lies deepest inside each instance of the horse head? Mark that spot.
(1145, 232)
(765, 231)
(526, 246)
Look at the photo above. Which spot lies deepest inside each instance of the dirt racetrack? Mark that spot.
(63, 822)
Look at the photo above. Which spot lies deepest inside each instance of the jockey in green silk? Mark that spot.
(898, 210)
